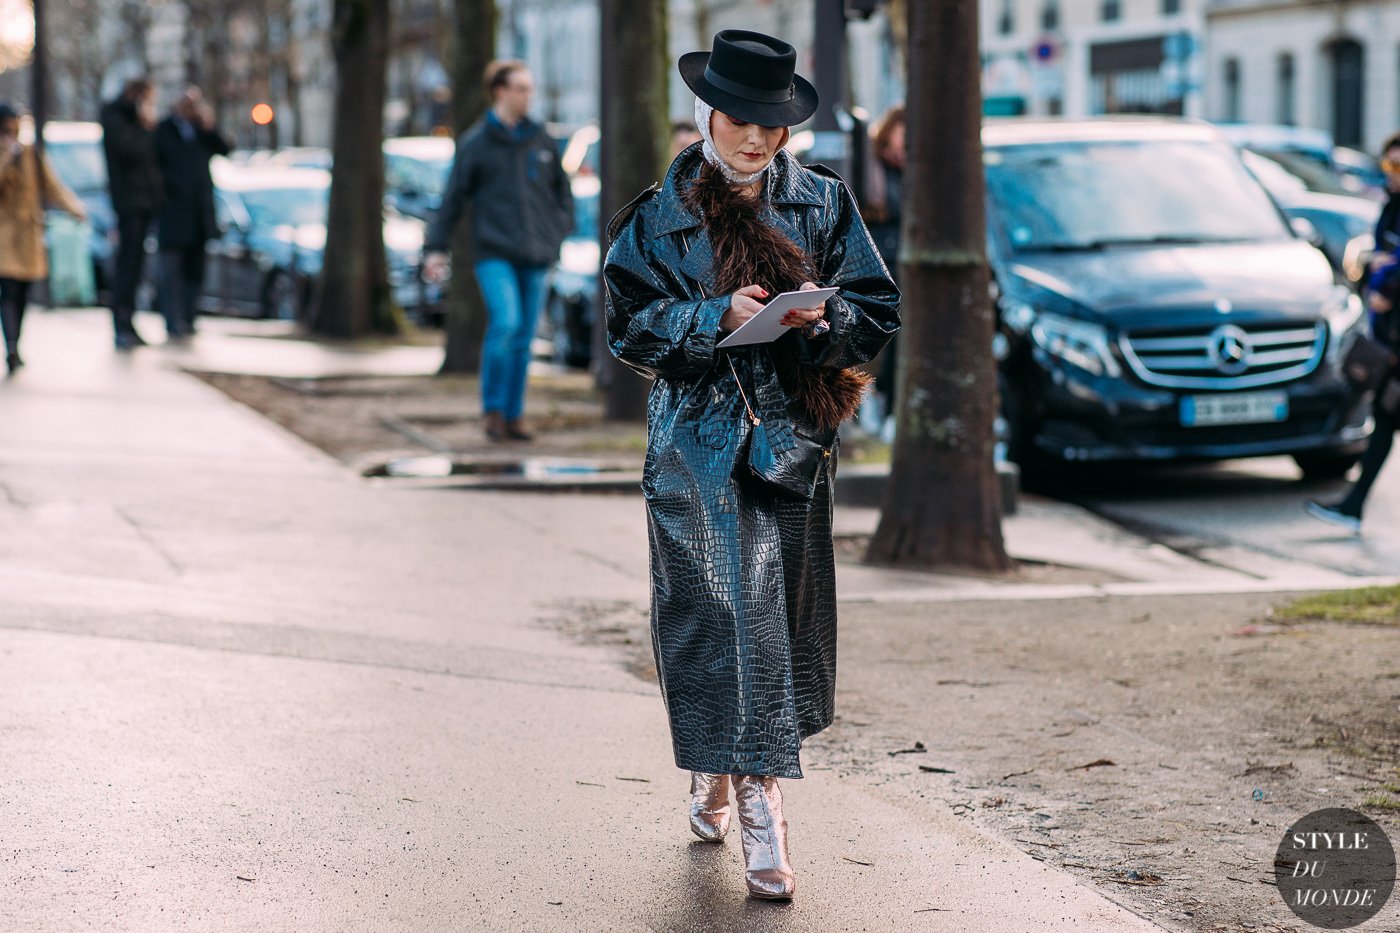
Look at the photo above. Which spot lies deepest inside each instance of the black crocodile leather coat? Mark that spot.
(743, 576)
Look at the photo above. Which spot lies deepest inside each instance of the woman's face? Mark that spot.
(747, 147)
(894, 148)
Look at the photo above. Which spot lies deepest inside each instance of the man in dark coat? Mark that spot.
(133, 176)
(185, 142)
(508, 168)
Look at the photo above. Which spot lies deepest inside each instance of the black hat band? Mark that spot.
(781, 96)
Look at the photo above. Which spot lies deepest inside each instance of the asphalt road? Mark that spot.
(1245, 514)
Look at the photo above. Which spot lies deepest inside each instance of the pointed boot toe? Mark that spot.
(767, 871)
(709, 805)
(771, 884)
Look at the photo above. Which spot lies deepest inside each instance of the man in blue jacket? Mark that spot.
(521, 209)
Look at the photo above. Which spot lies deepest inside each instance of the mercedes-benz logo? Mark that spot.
(1229, 349)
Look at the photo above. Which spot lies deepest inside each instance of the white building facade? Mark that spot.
(1080, 58)
(1333, 66)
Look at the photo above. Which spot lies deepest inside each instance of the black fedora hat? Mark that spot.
(752, 78)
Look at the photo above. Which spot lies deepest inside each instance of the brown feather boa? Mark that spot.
(750, 251)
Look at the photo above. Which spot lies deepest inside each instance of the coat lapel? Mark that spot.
(698, 263)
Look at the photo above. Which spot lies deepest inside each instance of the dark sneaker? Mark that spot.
(1333, 515)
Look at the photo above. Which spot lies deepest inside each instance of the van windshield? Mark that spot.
(81, 165)
(1093, 195)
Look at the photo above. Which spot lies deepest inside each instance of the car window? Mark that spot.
(1280, 182)
(427, 177)
(1083, 195)
(1312, 174)
(79, 165)
(585, 215)
(228, 211)
(276, 207)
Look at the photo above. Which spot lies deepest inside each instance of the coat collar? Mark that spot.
(788, 184)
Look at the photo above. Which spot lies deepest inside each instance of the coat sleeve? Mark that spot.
(652, 325)
(462, 182)
(215, 142)
(864, 314)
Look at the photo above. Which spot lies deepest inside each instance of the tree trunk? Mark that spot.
(942, 505)
(292, 62)
(474, 43)
(634, 127)
(354, 297)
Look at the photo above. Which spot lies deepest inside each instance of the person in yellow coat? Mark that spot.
(27, 186)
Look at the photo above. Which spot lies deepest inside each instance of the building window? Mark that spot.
(1287, 113)
(1171, 7)
(1231, 82)
(1348, 90)
(1127, 77)
(1050, 16)
(1006, 22)
(1110, 11)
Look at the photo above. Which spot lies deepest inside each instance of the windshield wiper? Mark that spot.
(1089, 246)
(1064, 247)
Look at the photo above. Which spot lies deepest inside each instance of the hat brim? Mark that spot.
(788, 113)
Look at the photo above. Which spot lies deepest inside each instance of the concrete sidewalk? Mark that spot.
(243, 689)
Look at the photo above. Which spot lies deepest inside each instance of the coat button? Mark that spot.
(719, 440)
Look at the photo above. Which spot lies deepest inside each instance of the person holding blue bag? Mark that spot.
(28, 186)
(1382, 294)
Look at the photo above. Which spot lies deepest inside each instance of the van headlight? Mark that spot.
(1345, 312)
(1078, 343)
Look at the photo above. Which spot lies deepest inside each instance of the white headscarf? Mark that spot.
(703, 112)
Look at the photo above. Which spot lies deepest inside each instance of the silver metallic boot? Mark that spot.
(709, 805)
(767, 871)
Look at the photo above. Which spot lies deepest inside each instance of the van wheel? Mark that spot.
(1324, 464)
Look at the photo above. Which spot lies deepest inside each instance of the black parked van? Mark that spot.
(1154, 303)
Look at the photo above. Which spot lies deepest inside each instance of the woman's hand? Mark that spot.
(743, 305)
(801, 317)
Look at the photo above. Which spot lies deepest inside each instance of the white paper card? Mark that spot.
(767, 325)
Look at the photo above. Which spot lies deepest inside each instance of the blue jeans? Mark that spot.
(513, 296)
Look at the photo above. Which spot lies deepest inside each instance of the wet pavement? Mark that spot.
(243, 688)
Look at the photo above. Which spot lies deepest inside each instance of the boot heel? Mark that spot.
(709, 805)
(767, 872)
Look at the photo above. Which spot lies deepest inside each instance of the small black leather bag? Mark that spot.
(1367, 363)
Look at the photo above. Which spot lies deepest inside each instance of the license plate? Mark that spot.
(1234, 408)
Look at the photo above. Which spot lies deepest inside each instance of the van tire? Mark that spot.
(1324, 464)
